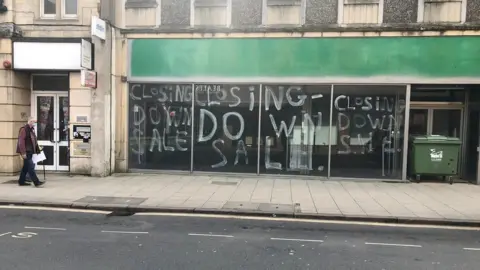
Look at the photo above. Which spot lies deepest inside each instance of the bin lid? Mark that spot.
(437, 139)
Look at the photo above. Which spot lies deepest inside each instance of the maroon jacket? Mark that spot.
(24, 146)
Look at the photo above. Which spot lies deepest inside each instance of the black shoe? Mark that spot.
(40, 184)
(24, 184)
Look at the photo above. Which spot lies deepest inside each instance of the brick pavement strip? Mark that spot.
(424, 203)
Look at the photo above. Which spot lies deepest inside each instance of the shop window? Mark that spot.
(226, 128)
(295, 129)
(211, 12)
(433, 11)
(367, 141)
(272, 129)
(160, 125)
(360, 11)
(283, 12)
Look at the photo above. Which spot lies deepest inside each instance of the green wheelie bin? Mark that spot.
(434, 155)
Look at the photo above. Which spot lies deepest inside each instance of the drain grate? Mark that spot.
(121, 213)
(224, 183)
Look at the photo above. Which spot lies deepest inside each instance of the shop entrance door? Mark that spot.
(472, 156)
(52, 113)
(437, 119)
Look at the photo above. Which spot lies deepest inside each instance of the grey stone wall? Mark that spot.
(473, 11)
(321, 12)
(320, 15)
(175, 13)
(246, 12)
(404, 11)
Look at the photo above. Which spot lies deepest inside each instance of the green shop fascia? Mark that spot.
(326, 107)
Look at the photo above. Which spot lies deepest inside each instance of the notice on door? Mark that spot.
(81, 149)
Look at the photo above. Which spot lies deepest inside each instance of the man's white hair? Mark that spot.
(30, 119)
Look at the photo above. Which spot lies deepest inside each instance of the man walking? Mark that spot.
(27, 146)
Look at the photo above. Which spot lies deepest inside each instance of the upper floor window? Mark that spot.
(70, 8)
(360, 11)
(211, 12)
(432, 11)
(59, 8)
(283, 12)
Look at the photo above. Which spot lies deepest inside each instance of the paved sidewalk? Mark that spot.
(432, 203)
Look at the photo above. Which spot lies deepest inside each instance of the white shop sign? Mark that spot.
(86, 56)
(99, 28)
(47, 56)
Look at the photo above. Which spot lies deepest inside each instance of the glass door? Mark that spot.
(447, 122)
(52, 114)
(418, 124)
(438, 120)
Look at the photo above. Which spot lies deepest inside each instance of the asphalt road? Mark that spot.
(33, 239)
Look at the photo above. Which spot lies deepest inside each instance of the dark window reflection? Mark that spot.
(295, 129)
(160, 121)
(447, 122)
(45, 120)
(367, 131)
(58, 82)
(366, 134)
(48, 150)
(418, 123)
(49, 7)
(226, 128)
(63, 159)
(64, 118)
(438, 93)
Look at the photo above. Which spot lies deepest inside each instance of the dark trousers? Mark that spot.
(28, 167)
(28, 178)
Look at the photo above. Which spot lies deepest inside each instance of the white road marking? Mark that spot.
(299, 220)
(297, 240)
(3, 234)
(394, 245)
(125, 232)
(24, 235)
(211, 235)
(54, 209)
(470, 249)
(45, 228)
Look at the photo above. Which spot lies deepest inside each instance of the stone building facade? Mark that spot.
(338, 56)
(40, 41)
(319, 88)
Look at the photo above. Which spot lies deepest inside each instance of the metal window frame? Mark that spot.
(406, 131)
